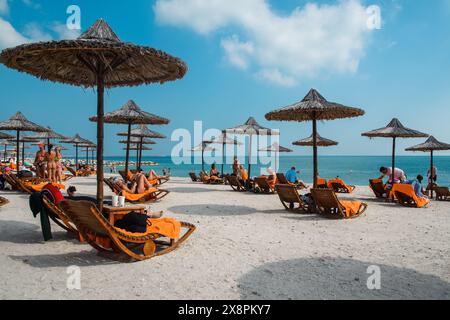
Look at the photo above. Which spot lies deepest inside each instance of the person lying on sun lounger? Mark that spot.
(243, 177)
(137, 185)
(272, 178)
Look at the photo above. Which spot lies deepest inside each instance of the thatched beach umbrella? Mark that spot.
(76, 141)
(394, 130)
(223, 140)
(23, 140)
(48, 135)
(130, 114)
(276, 148)
(202, 147)
(141, 132)
(251, 128)
(20, 123)
(87, 147)
(98, 58)
(5, 136)
(139, 142)
(431, 145)
(320, 141)
(314, 107)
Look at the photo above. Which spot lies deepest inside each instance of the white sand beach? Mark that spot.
(246, 246)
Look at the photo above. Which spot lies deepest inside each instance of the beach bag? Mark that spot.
(133, 222)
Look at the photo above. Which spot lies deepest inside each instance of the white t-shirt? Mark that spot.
(399, 174)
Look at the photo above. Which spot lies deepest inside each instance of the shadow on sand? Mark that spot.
(189, 190)
(212, 210)
(337, 278)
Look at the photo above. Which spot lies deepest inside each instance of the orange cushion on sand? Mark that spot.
(351, 207)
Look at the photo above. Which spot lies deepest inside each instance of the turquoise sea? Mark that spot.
(355, 170)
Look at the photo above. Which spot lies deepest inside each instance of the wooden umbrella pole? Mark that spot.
(431, 175)
(140, 152)
(203, 156)
(224, 134)
(137, 158)
(127, 155)
(250, 157)
(100, 124)
(315, 162)
(76, 156)
(393, 160)
(23, 153)
(4, 154)
(87, 155)
(18, 149)
(48, 144)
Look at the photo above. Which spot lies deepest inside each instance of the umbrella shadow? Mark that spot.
(190, 190)
(81, 259)
(212, 210)
(338, 278)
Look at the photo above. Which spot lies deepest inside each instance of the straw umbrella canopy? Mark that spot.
(138, 147)
(23, 140)
(48, 135)
(20, 123)
(87, 147)
(251, 128)
(431, 145)
(5, 136)
(223, 140)
(98, 58)
(320, 141)
(130, 114)
(394, 130)
(5, 143)
(141, 132)
(77, 141)
(314, 107)
(202, 147)
(276, 148)
(138, 142)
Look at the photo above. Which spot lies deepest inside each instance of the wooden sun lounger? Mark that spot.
(3, 201)
(330, 206)
(234, 183)
(442, 193)
(281, 179)
(194, 177)
(59, 217)
(289, 196)
(262, 183)
(406, 196)
(378, 189)
(91, 223)
(206, 179)
(152, 195)
(340, 186)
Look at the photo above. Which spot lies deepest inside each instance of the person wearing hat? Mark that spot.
(39, 161)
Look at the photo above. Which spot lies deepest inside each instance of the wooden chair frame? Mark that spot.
(289, 196)
(329, 205)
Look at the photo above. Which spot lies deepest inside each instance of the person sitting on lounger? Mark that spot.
(399, 175)
(418, 187)
(214, 172)
(236, 165)
(243, 177)
(291, 176)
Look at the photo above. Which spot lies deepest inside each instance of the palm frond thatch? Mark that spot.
(309, 142)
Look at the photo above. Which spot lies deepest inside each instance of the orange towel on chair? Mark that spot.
(341, 182)
(167, 227)
(408, 189)
(40, 186)
(136, 197)
(351, 207)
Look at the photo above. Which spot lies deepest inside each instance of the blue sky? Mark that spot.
(246, 60)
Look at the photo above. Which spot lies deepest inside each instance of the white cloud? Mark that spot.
(281, 49)
(63, 32)
(10, 37)
(4, 8)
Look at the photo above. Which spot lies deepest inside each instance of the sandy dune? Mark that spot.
(246, 247)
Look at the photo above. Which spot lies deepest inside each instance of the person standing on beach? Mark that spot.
(59, 165)
(236, 166)
(39, 161)
(51, 163)
(432, 177)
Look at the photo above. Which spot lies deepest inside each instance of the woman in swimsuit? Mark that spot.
(59, 166)
(39, 162)
(51, 163)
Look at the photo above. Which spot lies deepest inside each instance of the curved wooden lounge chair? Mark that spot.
(194, 177)
(281, 179)
(206, 179)
(378, 189)
(289, 196)
(3, 201)
(11, 181)
(339, 186)
(330, 206)
(234, 183)
(442, 193)
(262, 183)
(92, 225)
(407, 197)
(72, 172)
(151, 195)
(59, 217)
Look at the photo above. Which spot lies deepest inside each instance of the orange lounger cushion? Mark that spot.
(351, 207)
(153, 182)
(40, 186)
(136, 197)
(321, 181)
(408, 190)
(341, 182)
